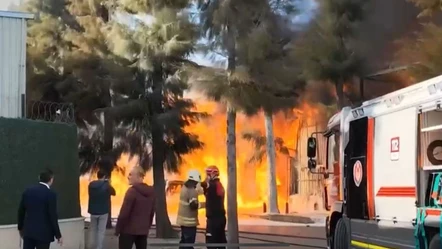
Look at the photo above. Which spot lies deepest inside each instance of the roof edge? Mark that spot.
(16, 14)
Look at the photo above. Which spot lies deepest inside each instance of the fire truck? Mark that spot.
(384, 168)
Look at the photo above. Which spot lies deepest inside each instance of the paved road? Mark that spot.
(293, 237)
(256, 231)
(296, 236)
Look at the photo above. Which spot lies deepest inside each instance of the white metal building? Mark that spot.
(13, 63)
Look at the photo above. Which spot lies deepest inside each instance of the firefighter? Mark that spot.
(215, 211)
(188, 209)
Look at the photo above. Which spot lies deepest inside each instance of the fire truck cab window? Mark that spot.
(332, 150)
(431, 139)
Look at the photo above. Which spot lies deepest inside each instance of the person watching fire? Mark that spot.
(99, 205)
(215, 211)
(187, 217)
(37, 214)
(137, 212)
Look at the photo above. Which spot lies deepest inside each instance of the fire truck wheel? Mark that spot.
(340, 238)
(435, 242)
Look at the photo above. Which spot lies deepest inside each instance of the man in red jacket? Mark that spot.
(137, 212)
(215, 211)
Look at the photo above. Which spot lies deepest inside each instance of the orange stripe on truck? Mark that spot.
(433, 212)
(397, 192)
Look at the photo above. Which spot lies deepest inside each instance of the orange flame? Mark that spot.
(252, 177)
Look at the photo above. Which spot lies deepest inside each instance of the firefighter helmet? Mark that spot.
(212, 171)
(194, 175)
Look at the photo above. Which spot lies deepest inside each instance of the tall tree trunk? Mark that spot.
(232, 189)
(361, 89)
(108, 144)
(272, 197)
(339, 85)
(164, 228)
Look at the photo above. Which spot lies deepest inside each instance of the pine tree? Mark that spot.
(158, 50)
(232, 28)
(222, 24)
(422, 51)
(328, 50)
(274, 74)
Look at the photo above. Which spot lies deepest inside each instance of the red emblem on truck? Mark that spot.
(357, 173)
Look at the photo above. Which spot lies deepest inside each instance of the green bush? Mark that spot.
(26, 148)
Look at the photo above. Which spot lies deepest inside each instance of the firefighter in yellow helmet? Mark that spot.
(188, 209)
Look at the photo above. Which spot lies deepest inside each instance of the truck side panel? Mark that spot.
(395, 166)
(395, 158)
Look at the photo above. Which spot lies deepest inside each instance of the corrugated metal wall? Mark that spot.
(303, 182)
(12, 66)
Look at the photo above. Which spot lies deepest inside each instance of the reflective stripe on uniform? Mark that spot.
(187, 218)
(185, 203)
(186, 221)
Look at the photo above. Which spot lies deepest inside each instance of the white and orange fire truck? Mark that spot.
(384, 163)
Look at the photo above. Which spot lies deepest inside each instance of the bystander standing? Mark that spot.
(99, 205)
(37, 214)
(137, 212)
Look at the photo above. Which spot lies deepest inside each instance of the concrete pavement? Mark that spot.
(255, 230)
(295, 237)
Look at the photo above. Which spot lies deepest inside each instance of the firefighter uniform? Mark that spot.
(215, 211)
(187, 217)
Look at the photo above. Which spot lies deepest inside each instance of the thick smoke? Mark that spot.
(386, 23)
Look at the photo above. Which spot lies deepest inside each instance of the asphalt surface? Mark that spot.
(269, 235)
(257, 233)
(255, 237)
(299, 237)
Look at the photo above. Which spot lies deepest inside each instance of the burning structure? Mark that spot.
(252, 190)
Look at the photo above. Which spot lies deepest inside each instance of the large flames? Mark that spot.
(252, 177)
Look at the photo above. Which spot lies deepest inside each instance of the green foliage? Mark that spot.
(78, 53)
(272, 68)
(264, 69)
(71, 62)
(328, 49)
(30, 147)
(160, 49)
(259, 143)
(424, 52)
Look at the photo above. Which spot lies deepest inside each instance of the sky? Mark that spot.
(4, 4)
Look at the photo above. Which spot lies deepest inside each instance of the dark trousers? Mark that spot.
(188, 236)
(126, 241)
(216, 231)
(35, 244)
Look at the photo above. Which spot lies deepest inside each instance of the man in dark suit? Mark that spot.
(37, 214)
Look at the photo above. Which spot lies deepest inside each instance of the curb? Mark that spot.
(290, 218)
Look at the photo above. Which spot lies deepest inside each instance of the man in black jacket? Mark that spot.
(37, 214)
(99, 206)
(215, 211)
